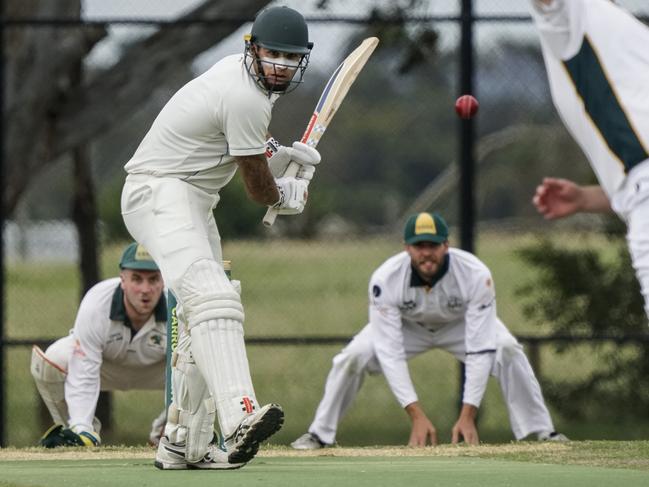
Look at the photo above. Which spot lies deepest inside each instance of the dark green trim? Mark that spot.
(417, 281)
(603, 107)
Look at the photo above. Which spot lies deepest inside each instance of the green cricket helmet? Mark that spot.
(282, 30)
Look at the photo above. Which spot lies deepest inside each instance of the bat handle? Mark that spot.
(271, 213)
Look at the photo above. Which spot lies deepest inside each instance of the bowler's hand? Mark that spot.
(557, 198)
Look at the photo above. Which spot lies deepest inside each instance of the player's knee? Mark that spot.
(351, 361)
(207, 294)
(44, 369)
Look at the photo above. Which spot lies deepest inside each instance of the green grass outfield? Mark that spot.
(305, 288)
(571, 464)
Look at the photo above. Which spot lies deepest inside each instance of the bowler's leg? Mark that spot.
(638, 240)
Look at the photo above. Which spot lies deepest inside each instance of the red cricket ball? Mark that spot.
(466, 106)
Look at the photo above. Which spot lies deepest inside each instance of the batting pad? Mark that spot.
(50, 382)
(219, 351)
(192, 412)
(206, 293)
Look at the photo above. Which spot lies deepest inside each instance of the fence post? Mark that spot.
(3, 183)
(466, 148)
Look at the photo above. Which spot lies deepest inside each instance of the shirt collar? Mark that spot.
(118, 311)
(417, 281)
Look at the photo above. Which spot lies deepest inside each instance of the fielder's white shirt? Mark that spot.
(105, 348)
(597, 59)
(464, 295)
(220, 114)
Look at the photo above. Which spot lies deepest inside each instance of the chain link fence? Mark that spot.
(391, 151)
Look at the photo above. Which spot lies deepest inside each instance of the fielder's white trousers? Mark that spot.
(521, 391)
(113, 376)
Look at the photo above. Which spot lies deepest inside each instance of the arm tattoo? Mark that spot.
(259, 182)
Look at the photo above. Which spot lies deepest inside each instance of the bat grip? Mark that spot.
(271, 213)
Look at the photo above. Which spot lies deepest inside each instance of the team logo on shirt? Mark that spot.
(408, 305)
(454, 303)
(114, 337)
(155, 340)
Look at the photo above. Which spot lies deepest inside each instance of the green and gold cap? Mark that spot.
(136, 257)
(425, 227)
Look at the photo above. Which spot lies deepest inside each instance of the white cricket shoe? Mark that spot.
(552, 436)
(171, 456)
(308, 441)
(255, 428)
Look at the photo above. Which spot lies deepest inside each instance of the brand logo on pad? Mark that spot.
(247, 405)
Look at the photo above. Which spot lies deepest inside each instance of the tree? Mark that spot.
(50, 119)
(591, 291)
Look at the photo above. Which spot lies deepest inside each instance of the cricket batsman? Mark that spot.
(433, 296)
(214, 125)
(118, 343)
(597, 62)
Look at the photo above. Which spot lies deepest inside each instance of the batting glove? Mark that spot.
(157, 428)
(280, 156)
(293, 194)
(307, 157)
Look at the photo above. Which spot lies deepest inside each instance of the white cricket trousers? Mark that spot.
(114, 376)
(632, 203)
(521, 391)
(174, 221)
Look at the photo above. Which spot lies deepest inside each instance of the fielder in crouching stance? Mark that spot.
(432, 296)
(118, 343)
(213, 125)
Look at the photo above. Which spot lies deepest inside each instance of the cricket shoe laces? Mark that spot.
(243, 444)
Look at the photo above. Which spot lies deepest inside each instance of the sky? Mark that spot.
(171, 8)
(328, 38)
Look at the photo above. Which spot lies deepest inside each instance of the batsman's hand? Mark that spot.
(293, 194)
(279, 157)
(307, 157)
(59, 436)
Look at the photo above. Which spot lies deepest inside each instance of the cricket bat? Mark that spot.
(332, 96)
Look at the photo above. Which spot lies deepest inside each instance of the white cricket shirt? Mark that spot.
(220, 114)
(106, 350)
(463, 295)
(597, 59)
